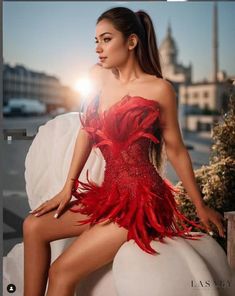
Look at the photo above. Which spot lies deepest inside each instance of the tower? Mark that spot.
(168, 48)
(215, 43)
(171, 68)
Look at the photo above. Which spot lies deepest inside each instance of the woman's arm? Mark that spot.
(83, 146)
(83, 143)
(175, 149)
(81, 153)
(179, 156)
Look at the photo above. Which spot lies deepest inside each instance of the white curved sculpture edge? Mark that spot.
(55, 142)
(183, 267)
(46, 166)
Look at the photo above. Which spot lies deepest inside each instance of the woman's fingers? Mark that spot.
(60, 209)
(206, 224)
(208, 216)
(44, 208)
(49, 206)
(217, 221)
(39, 208)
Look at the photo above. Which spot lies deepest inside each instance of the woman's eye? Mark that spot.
(105, 40)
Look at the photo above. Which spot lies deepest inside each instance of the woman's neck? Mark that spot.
(129, 72)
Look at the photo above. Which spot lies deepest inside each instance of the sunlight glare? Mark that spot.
(83, 86)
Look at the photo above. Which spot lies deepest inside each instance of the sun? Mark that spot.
(83, 86)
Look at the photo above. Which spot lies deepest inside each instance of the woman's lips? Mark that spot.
(102, 59)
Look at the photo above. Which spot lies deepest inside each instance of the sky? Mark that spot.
(58, 37)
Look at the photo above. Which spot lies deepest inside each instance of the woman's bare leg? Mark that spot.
(93, 249)
(38, 232)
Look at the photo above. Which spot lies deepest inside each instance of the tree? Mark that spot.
(216, 181)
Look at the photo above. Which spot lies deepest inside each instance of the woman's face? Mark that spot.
(111, 46)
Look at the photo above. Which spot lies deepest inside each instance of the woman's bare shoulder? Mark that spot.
(164, 91)
(97, 73)
(96, 68)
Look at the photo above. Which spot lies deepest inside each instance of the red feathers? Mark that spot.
(132, 193)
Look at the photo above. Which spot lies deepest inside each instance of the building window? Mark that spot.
(203, 126)
(205, 94)
(195, 94)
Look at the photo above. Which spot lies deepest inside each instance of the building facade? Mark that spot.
(20, 82)
(200, 104)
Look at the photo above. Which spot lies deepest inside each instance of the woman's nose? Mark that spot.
(98, 48)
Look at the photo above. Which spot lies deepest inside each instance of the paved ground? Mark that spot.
(15, 202)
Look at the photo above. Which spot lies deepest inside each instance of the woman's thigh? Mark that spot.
(48, 228)
(90, 251)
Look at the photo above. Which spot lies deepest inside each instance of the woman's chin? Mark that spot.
(106, 66)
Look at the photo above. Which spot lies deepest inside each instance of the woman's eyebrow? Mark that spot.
(103, 34)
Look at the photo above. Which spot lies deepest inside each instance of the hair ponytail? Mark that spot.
(147, 51)
(148, 57)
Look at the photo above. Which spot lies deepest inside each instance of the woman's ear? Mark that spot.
(132, 42)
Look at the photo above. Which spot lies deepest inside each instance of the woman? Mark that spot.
(135, 114)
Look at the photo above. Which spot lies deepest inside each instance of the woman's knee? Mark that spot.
(59, 272)
(31, 226)
(55, 271)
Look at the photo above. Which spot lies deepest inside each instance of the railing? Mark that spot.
(230, 216)
(16, 134)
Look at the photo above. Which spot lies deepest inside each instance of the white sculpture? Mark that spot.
(183, 267)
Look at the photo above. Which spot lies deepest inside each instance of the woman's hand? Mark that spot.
(59, 201)
(208, 215)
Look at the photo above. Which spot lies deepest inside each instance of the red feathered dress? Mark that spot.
(132, 194)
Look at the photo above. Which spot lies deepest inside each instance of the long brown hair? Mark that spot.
(129, 22)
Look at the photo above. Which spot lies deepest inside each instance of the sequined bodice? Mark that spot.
(123, 133)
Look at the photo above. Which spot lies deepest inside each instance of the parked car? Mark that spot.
(58, 111)
(24, 107)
